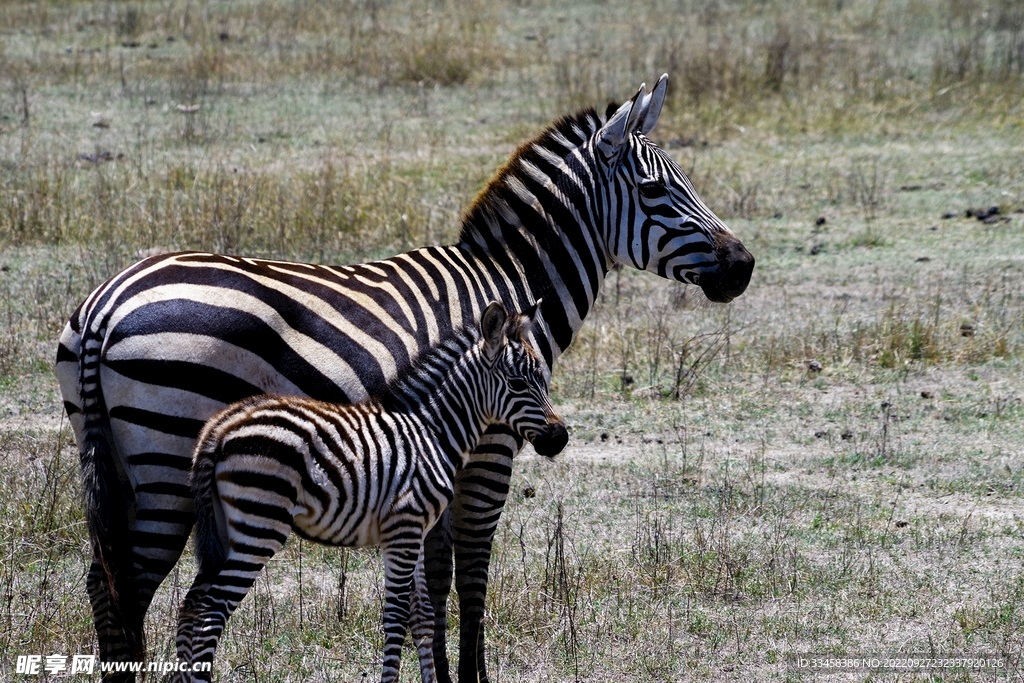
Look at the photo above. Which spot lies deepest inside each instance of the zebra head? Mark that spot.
(656, 221)
(520, 380)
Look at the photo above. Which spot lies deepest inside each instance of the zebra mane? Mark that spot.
(426, 372)
(560, 138)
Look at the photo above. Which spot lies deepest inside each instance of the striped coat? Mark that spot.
(154, 352)
(379, 472)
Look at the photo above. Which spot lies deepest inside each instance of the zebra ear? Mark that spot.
(492, 324)
(526, 321)
(621, 125)
(530, 314)
(652, 105)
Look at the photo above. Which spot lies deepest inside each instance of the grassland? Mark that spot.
(725, 503)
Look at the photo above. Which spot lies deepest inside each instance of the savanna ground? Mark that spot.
(724, 504)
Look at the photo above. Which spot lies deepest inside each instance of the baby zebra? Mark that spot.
(377, 472)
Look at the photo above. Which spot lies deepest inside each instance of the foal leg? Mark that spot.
(400, 562)
(421, 623)
(212, 603)
(186, 619)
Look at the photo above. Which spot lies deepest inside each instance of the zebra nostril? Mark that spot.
(735, 266)
(552, 440)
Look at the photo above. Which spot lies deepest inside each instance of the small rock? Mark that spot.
(991, 220)
(934, 227)
(950, 214)
(529, 492)
(100, 124)
(814, 365)
(982, 214)
(820, 434)
(846, 435)
(967, 330)
(909, 188)
(816, 249)
(604, 436)
(224, 36)
(926, 394)
(901, 523)
(922, 259)
(105, 155)
(131, 43)
(821, 220)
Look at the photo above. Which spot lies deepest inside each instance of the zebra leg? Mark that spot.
(217, 601)
(109, 631)
(400, 562)
(437, 553)
(187, 619)
(480, 492)
(159, 536)
(157, 545)
(150, 567)
(421, 623)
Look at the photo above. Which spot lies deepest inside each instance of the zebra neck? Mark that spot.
(539, 222)
(455, 415)
(439, 389)
(548, 252)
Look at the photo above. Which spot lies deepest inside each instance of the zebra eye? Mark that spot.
(518, 384)
(652, 189)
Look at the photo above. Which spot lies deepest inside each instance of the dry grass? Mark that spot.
(725, 503)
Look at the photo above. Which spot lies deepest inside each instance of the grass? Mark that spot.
(726, 503)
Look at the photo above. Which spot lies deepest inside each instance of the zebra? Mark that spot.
(152, 353)
(378, 472)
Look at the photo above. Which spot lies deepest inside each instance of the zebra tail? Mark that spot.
(210, 547)
(109, 500)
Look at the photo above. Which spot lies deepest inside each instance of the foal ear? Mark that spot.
(492, 324)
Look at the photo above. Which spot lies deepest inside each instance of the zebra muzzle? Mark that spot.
(736, 265)
(551, 440)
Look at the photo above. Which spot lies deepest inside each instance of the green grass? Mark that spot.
(722, 506)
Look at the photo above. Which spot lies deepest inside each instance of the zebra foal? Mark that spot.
(378, 472)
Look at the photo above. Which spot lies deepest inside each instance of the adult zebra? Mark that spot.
(166, 343)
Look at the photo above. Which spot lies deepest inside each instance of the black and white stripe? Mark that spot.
(179, 336)
(379, 472)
